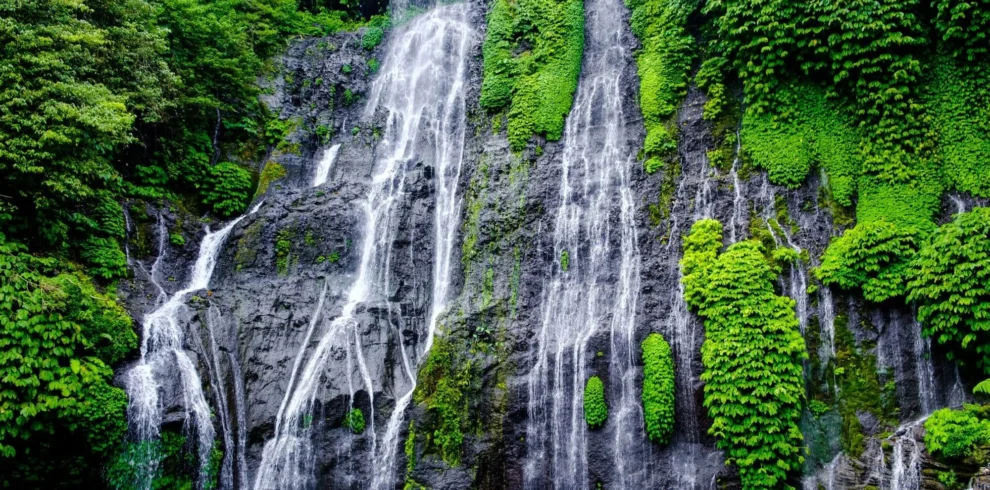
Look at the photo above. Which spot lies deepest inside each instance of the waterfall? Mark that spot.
(326, 163)
(738, 202)
(594, 228)
(692, 199)
(163, 357)
(421, 86)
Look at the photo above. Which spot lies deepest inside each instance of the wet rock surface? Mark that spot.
(247, 330)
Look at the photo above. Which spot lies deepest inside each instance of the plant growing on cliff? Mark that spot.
(595, 409)
(663, 64)
(753, 350)
(283, 244)
(956, 434)
(532, 57)
(658, 388)
(950, 282)
(354, 420)
(272, 172)
(873, 256)
(231, 189)
(444, 381)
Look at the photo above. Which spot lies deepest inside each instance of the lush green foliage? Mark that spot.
(664, 63)
(354, 420)
(950, 282)
(595, 409)
(959, 433)
(873, 256)
(58, 335)
(958, 98)
(443, 382)
(811, 130)
(231, 188)
(754, 384)
(658, 388)
(565, 260)
(532, 57)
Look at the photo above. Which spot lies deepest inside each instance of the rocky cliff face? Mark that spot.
(286, 272)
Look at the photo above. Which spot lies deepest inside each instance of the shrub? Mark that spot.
(595, 410)
(950, 282)
(873, 256)
(957, 434)
(354, 420)
(230, 189)
(532, 58)
(664, 64)
(658, 388)
(753, 353)
(565, 260)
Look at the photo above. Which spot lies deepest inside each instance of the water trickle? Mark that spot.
(960, 205)
(738, 202)
(326, 163)
(163, 358)
(594, 225)
(421, 86)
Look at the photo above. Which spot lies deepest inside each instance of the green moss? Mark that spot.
(444, 381)
(176, 238)
(565, 260)
(532, 57)
(862, 388)
(354, 420)
(809, 131)
(247, 245)
(658, 388)
(272, 172)
(873, 257)
(595, 409)
(283, 245)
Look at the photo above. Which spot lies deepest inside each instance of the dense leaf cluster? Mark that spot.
(959, 433)
(658, 388)
(532, 57)
(663, 63)
(444, 381)
(58, 337)
(595, 409)
(354, 420)
(753, 350)
(950, 282)
(873, 256)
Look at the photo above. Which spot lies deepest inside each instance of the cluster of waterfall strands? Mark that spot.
(266, 364)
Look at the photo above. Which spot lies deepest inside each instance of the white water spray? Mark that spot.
(422, 87)
(326, 163)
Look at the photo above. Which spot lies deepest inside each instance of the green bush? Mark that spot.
(354, 420)
(595, 409)
(956, 434)
(58, 335)
(658, 388)
(950, 282)
(664, 64)
(532, 58)
(809, 130)
(753, 353)
(230, 189)
(873, 257)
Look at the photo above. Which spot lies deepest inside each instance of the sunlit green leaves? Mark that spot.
(754, 385)
(658, 388)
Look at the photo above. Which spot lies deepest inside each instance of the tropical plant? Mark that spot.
(595, 409)
(658, 388)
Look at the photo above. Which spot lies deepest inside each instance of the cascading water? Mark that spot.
(163, 358)
(326, 163)
(588, 293)
(421, 86)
